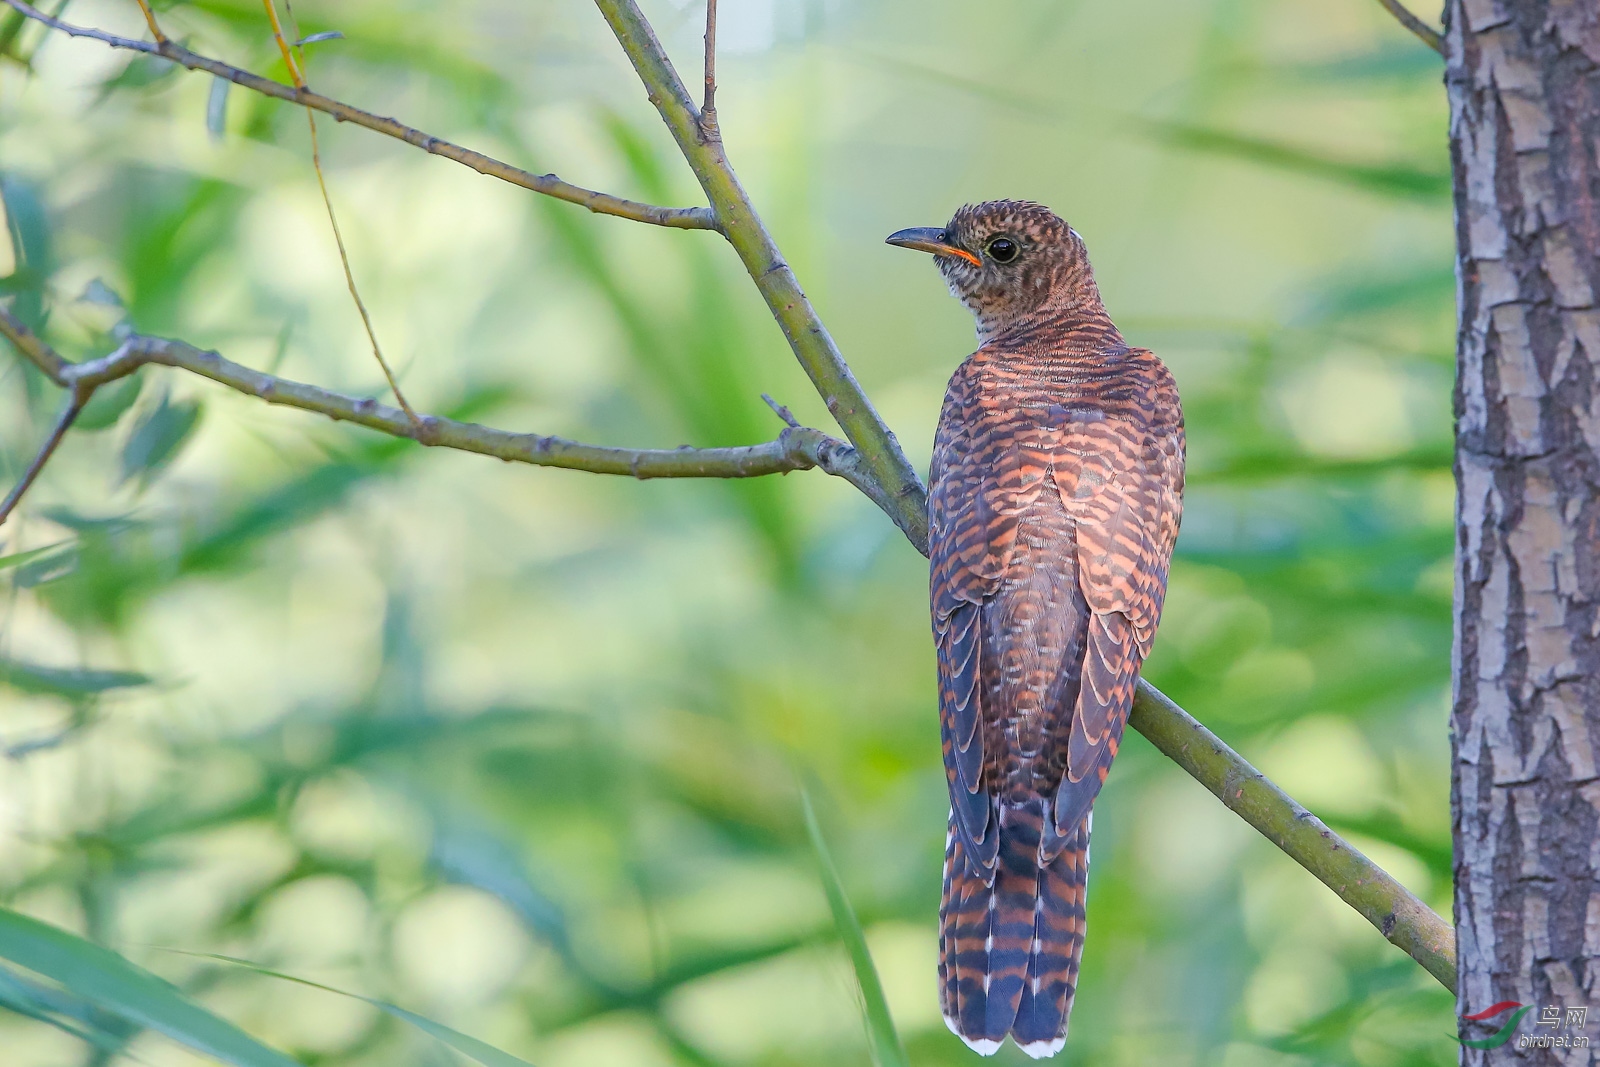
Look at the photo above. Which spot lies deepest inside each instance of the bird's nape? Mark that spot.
(1008, 261)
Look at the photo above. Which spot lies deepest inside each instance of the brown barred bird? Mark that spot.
(1057, 485)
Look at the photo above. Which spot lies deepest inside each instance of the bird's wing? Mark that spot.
(982, 482)
(1121, 479)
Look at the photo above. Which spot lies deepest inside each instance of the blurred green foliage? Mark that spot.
(519, 749)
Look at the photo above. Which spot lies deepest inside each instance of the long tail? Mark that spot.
(1008, 953)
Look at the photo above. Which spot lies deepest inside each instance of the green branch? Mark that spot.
(900, 492)
(1407, 922)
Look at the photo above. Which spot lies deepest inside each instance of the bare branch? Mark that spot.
(1426, 33)
(708, 109)
(69, 414)
(34, 349)
(1407, 922)
(682, 218)
(898, 489)
(150, 20)
(781, 410)
(796, 448)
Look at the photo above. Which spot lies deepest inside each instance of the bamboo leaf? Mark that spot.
(66, 682)
(109, 403)
(1393, 179)
(157, 437)
(217, 108)
(62, 1010)
(886, 1048)
(110, 982)
(470, 1047)
(45, 565)
(17, 559)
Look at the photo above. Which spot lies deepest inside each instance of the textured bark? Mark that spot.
(1524, 86)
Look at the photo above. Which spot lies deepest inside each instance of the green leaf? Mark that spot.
(1393, 179)
(217, 108)
(113, 984)
(886, 1048)
(27, 224)
(62, 1010)
(466, 850)
(57, 681)
(10, 27)
(28, 227)
(470, 1047)
(109, 403)
(157, 438)
(17, 559)
(141, 72)
(45, 565)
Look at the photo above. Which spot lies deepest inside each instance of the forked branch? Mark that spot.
(150, 21)
(796, 448)
(901, 493)
(69, 415)
(682, 218)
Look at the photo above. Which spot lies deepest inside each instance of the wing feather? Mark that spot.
(981, 485)
(1122, 480)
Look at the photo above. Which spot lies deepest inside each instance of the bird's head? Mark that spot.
(1008, 260)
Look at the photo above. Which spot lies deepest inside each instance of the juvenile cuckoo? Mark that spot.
(1056, 490)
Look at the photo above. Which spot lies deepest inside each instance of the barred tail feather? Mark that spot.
(1041, 1026)
(1008, 953)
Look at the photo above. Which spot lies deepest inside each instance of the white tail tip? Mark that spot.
(1042, 1050)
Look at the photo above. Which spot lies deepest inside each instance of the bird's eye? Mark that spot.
(1002, 250)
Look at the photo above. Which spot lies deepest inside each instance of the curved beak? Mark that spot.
(931, 239)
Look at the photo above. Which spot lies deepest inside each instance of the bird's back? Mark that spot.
(1055, 486)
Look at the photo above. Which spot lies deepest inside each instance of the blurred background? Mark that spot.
(519, 748)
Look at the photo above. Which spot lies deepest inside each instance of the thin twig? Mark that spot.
(781, 410)
(1426, 33)
(681, 218)
(298, 78)
(349, 275)
(69, 414)
(150, 20)
(796, 448)
(297, 72)
(708, 109)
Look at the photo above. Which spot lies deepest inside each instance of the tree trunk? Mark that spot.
(1524, 86)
